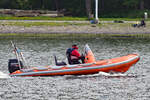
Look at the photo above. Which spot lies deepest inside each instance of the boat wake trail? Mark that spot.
(3, 75)
(115, 75)
(110, 75)
(102, 75)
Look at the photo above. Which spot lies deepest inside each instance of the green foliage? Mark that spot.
(68, 18)
(131, 3)
(75, 36)
(20, 4)
(44, 18)
(107, 8)
(75, 7)
(125, 14)
(30, 24)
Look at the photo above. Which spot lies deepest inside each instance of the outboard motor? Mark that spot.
(13, 65)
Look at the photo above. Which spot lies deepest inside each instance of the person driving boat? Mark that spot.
(73, 55)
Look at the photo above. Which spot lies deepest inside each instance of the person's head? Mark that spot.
(75, 46)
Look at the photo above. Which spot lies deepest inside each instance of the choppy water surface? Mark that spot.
(132, 85)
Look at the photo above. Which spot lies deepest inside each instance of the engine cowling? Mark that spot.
(13, 65)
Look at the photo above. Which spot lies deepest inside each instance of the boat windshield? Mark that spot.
(89, 56)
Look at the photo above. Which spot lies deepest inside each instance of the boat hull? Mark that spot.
(120, 64)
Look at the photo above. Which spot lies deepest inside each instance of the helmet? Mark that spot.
(75, 46)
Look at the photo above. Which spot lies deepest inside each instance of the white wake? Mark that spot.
(111, 74)
(106, 74)
(3, 75)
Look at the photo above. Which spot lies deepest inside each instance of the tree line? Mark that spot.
(81, 8)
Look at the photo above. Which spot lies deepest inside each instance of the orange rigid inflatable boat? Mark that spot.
(91, 66)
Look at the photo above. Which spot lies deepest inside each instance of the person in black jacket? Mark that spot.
(73, 55)
(142, 24)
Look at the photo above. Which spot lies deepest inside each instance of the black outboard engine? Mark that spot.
(13, 65)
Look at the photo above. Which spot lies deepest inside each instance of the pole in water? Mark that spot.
(17, 55)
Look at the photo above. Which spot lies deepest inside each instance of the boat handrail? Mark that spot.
(87, 64)
(82, 65)
(56, 67)
(70, 66)
(26, 70)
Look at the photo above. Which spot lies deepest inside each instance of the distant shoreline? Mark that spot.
(73, 30)
(111, 28)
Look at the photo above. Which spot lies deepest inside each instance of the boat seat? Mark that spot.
(59, 63)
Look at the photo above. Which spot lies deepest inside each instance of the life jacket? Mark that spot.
(69, 51)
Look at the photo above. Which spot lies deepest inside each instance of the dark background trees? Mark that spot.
(81, 8)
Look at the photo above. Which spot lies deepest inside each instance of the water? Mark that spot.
(132, 85)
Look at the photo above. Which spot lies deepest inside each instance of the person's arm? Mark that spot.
(76, 53)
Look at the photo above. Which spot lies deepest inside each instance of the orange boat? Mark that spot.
(91, 66)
